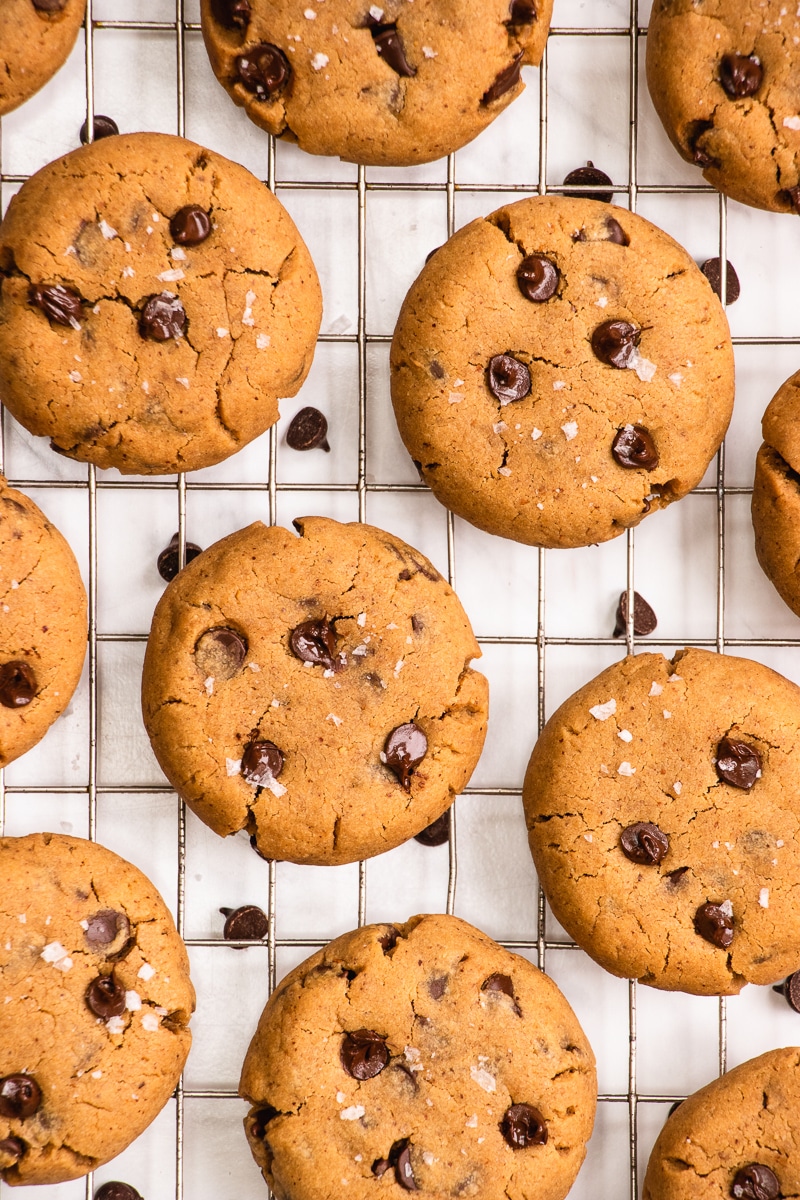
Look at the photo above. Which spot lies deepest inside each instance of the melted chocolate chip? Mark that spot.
(615, 233)
(264, 70)
(790, 990)
(103, 127)
(501, 984)
(105, 926)
(633, 447)
(523, 1125)
(644, 843)
(711, 270)
(387, 941)
(508, 378)
(380, 1167)
(505, 81)
(162, 318)
(246, 924)
(738, 763)
(364, 1053)
(590, 174)
(167, 561)
(614, 342)
(232, 14)
(792, 196)
(644, 619)
(674, 879)
(400, 1159)
(105, 996)
(190, 226)
(537, 278)
(314, 642)
(522, 12)
(17, 684)
(60, 304)
(437, 986)
(755, 1182)
(435, 834)
(307, 430)
(262, 763)
(260, 1119)
(254, 846)
(694, 132)
(674, 1108)
(12, 1150)
(714, 924)
(50, 6)
(740, 74)
(390, 47)
(404, 750)
(115, 1190)
(20, 1097)
(219, 653)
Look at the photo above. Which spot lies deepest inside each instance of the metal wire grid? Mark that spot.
(179, 27)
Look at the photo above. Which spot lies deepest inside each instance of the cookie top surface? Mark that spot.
(36, 37)
(776, 494)
(97, 998)
(724, 76)
(42, 625)
(661, 808)
(391, 84)
(503, 383)
(401, 1054)
(737, 1131)
(344, 651)
(168, 296)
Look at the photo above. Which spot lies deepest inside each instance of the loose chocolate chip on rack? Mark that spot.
(738, 763)
(20, 1097)
(364, 1053)
(740, 74)
(162, 318)
(644, 619)
(264, 70)
(755, 1182)
(714, 922)
(590, 174)
(60, 304)
(505, 81)
(233, 14)
(11, 1151)
(115, 1190)
(790, 990)
(167, 562)
(404, 750)
(508, 378)
(190, 226)
(390, 47)
(219, 653)
(246, 924)
(400, 1159)
(711, 270)
(614, 342)
(17, 684)
(105, 926)
(262, 763)
(314, 642)
(50, 6)
(307, 430)
(523, 1125)
(103, 127)
(105, 996)
(644, 843)
(537, 278)
(522, 12)
(435, 834)
(634, 447)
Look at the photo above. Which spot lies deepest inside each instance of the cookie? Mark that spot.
(736, 1137)
(559, 369)
(42, 627)
(387, 85)
(776, 493)
(97, 998)
(421, 1055)
(661, 809)
(36, 37)
(156, 302)
(315, 691)
(724, 76)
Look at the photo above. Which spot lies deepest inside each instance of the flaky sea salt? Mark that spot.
(262, 341)
(133, 1001)
(171, 276)
(107, 230)
(150, 1022)
(677, 789)
(333, 717)
(233, 766)
(536, 434)
(601, 712)
(625, 768)
(570, 430)
(353, 1113)
(483, 1078)
(655, 689)
(626, 735)
(763, 897)
(146, 972)
(792, 122)
(319, 61)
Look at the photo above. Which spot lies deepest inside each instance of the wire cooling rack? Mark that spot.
(543, 619)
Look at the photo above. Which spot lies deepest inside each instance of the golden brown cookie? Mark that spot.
(661, 802)
(560, 369)
(42, 624)
(737, 1137)
(389, 84)
(96, 1002)
(724, 76)
(776, 493)
(156, 302)
(36, 37)
(315, 691)
(421, 1057)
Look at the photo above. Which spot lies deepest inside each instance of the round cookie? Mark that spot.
(776, 493)
(736, 1137)
(42, 627)
(97, 998)
(36, 37)
(559, 369)
(387, 85)
(662, 816)
(423, 1055)
(156, 301)
(315, 691)
(724, 76)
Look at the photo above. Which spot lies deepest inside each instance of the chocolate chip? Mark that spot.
(644, 843)
(114, 1190)
(262, 763)
(792, 196)
(614, 342)
(714, 924)
(246, 924)
(755, 1182)
(60, 304)
(508, 378)
(404, 750)
(380, 1167)
(12, 1150)
(364, 1053)
(219, 653)
(740, 75)
(314, 642)
(738, 763)
(504, 985)
(435, 834)
(105, 996)
(390, 47)
(103, 127)
(615, 233)
(693, 134)
(417, 623)
(387, 941)
(20, 1097)
(644, 619)
(674, 1108)
(232, 14)
(674, 879)
(307, 430)
(190, 226)
(264, 70)
(105, 926)
(400, 1159)
(260, 1119)
(505, 81)
(167, 561)
(254, 846)
(437, 986)
(590, 174)
(522, 12)
(537, 278)
(790, 990)
(17, 684)
(162, 318)
(50, 6)
(633, 447)
(711, 270)
(523, 1125)
(436, 369)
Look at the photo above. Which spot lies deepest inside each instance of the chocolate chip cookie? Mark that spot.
(36, 37)
(724, 76)
(156, 302)
(96, 1002)
(314, 690)
(736, 1137)
(42, 624)
(560, 369)
(776, 493)
(421, 1055)
(389, 84)
(661, 809)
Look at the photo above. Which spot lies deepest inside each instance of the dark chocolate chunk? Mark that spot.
(246, 924)
(615, 233)
(590, 174)
(400, 1159)
(505, 81)
(404, 750)
(740, 75)
(614, 342)
(103, 127)
(523, 1125)
(498, 983)
(105, 996)
(738, 763)
(711, 270)
(790, 990)
(633, 447)
(264, 70)
(314, 642)
(792, 196)
(232, 14)
(715, 924)
(20, 1097)
(190, 226)
(644, 843)
(537, 278)
(307, 430)
(115, 1190)
(755, 1182)
(435, 834)
(167, 561)
(260, 1119)
(17, 684)
(644, 619)
(62, 305)
(522, 12)
(364, 1053)
(105, 927)
(390, 47)
(219, 653)
(508, 379)
(50, 6)
(380, 1167)
(12, 1150)
(262, 763)
(162, 318)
